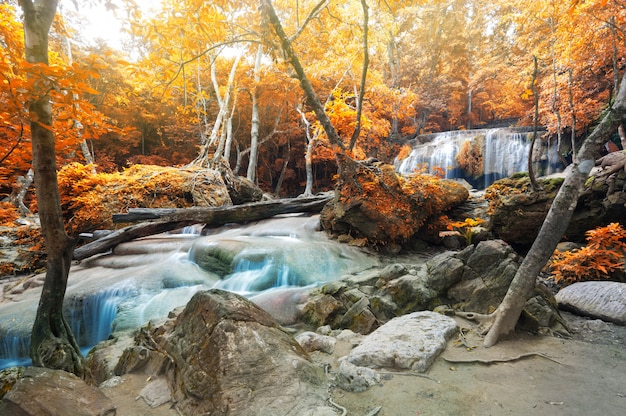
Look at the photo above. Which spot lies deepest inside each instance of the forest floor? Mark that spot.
(525, 375)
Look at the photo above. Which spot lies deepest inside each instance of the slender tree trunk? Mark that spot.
(573, 111)
(290, 55)
(308, 156)
(52, 342)
(254, 129)
(366, 60)
(531, 171)
(281, 178)
(506, 316)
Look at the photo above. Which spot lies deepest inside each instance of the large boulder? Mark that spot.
(518, 213)
(409, 342)
(602, 300)
(372, 202)
(229, 357)
(46, 392)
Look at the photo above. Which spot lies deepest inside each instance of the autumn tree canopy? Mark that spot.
(203, 80)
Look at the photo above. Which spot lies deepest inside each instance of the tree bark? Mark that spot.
(506, 316)
(254, 129)
(171, 219)
(305, 84)
(52, 342)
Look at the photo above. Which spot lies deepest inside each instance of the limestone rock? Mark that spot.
(602, 300)
(518, 215)
(46, 392)
(230, 357)
(355, 378)
(489, 270)
(411, 342)
(310, 341)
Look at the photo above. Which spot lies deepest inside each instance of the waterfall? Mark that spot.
(504, 152)
(144, 280)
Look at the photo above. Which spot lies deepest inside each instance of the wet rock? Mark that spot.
(411, 342)
(602, 300)
(46, 392)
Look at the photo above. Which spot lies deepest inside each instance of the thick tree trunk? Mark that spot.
(506, 316)
(171, 219)
(52, 342)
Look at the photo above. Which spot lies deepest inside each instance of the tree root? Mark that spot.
(500, 360)
(485, 321)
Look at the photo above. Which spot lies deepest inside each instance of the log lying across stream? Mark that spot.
(167, 219)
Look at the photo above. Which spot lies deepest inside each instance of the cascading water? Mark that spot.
(504, 152)
(145, 279)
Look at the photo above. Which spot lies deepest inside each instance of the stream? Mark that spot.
(145, 279)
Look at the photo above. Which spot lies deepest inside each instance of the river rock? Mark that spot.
(355, 378)
(489, 269)
(602, 300)
(311, 341)
(228, 356)
(46, 392)
(411, 342)
(362, 209)
(517, 213)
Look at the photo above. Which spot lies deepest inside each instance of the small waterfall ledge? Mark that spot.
(145, 279)
(504, 151)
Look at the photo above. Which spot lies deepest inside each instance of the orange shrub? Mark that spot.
(602, 256)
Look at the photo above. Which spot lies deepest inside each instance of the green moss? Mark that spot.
(552, 185)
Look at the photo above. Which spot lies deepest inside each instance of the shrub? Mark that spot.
(599, 259)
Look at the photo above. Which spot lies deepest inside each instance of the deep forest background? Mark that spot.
(190, 74)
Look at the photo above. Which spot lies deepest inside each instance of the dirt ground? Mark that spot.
(525, 375)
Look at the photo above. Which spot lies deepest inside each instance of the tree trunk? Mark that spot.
(290, 55)
(254, 129)
(506, 316)
(366, 60)
(52, 342)
(531, 172)
(171, 219)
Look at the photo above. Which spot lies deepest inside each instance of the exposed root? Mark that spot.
(500, 360)
(485, 321)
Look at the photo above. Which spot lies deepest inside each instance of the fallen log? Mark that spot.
(173, 218)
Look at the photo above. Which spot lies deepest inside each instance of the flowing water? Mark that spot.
(145, 279)
(504, 152)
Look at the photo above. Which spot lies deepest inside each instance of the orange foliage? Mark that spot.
(8, 214)
(602, 256)
(470, 156)
(89, 200)
(500, 189)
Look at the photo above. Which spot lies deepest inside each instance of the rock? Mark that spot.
(156, 393)
(489, 270)
(240, 189)
(355, 378)
(310, 341)
(46, 392)
(228, 356)
(602, 300)
(359, 207)
(411, 342)
(518, 214)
